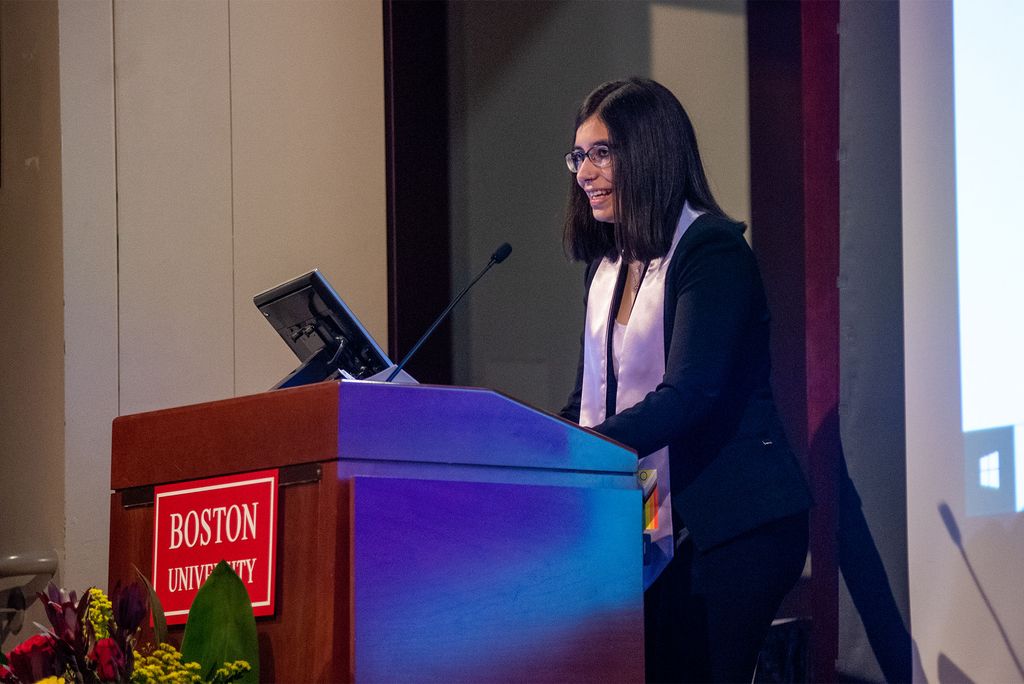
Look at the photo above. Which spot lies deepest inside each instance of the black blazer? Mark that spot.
(732, 469)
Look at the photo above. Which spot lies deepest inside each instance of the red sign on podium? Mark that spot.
(199, 523)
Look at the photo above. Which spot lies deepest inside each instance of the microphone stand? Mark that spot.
(499, 255)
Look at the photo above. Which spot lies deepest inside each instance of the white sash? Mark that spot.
(641, 370)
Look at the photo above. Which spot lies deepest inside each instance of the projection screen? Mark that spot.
(961, 70)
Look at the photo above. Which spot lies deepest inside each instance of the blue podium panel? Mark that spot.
(484, 581)
(467, 426)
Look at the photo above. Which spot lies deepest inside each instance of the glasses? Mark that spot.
(600, 155)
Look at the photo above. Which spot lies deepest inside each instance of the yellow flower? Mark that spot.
(229, 672)
(100, 614)
(164, 665)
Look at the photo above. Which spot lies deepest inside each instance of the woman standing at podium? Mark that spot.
(675, 356)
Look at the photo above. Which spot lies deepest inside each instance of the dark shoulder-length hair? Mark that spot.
(656, 167)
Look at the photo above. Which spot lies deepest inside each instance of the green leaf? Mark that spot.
(3, 658)
(157, 608)
(221, 627)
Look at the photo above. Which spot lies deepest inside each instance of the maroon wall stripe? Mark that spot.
(794, 131)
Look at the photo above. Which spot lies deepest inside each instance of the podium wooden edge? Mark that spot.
(298, 425)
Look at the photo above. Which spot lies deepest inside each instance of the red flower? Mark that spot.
(34, 659)
(108, 659)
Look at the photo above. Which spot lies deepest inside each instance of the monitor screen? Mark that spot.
(321, 330)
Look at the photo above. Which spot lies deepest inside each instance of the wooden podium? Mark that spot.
(425, 533)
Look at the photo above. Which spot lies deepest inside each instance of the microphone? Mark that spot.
(499, 255)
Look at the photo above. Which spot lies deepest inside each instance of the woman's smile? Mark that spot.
(598, 198)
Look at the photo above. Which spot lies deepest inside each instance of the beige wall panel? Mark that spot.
(174, 202)
(31, 287)
(699, 51)
(90, 281)
(309, 186)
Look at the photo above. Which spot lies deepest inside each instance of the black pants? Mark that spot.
(707, 615)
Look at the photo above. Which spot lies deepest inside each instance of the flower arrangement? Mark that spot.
(94, 638)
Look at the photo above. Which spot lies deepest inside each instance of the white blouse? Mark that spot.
(618, 335)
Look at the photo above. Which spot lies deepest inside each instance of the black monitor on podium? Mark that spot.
(322, 331)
